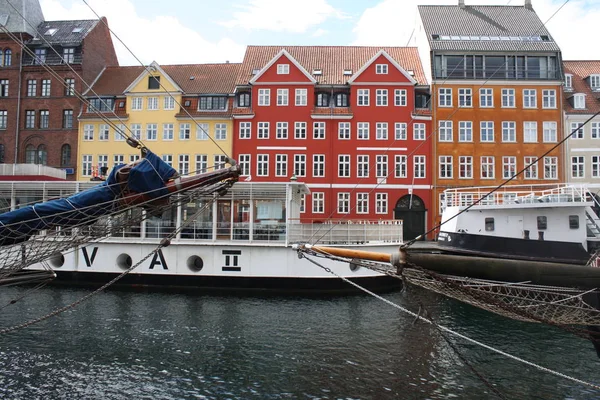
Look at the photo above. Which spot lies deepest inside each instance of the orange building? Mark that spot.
(496, 96)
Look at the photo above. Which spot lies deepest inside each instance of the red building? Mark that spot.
(348, 121)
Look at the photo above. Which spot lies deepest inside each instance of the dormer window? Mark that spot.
(341, 99)
(101, 104)
(50, 32)
(154, 82)
(317, 71)
(212, 103)
(595, 81)
(579, 101)
(69, 55)
(283, 69)
(568, 82)
(381, 69)
(40, 56)
(322, 99)
(243, 99)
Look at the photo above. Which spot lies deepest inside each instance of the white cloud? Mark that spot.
(282, 15)
(319, 32)
(162, 39)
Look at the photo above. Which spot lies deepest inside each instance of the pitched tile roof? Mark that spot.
(332, 60)
(580, 71)
(207, 78)
(114, 80)
(498, 21)
(64, 33)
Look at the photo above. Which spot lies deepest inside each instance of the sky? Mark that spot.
(201, 31)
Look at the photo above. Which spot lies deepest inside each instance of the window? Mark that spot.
(263, 130)
(509, 166)
(68, 55)
(595, 81)
(40, 56)
(400, 97)
(281, 162)
(301, 97)
(362, 166)
(322, 99)
(300, 130)
(212, 103)
(245, 130)
(529, 98)
(465, 167)
(151, 132)
(154, 82)
(576, 130)
(300, 165)
(400, 130)
(508, 98)
(69, 87)
(282, 97)
(202, 163)
(243, 99)
(487, 167)
(446, 167)
(573, 221)
(318, 202)
(381, 97)
(102, 164)
(184, 164)
(551, 167)
(30, 154)
(530, 132)
(221, 131)
(550, 135)
(445, 131)
(318, 165)
(509, 132)
(341, 100)
(343, 203)
(42, 155)
(262, 165)
(419, 166)
(283, 69)
(67, 119)
(152, 103)
(465, 131)
(29, 119)
(465, 98)
(7, 59)
(486, 98)
(167, 158)
(381, 166)
(184, 131)
(44, 119)
(220, 161)
(86, 165)
(568, 82)
(281, 131)
(244, 160)
(548, 98)
(362, 97)
(445, 97)
(133, 158)
(202, 131)
(577, 167)
(168, 131)
(486, 130)
(489, 224)
(65, 155)
(542, 222)
(381, 131)
(3, 119)
(319, 130)
(264, 97)
(381, 203)
(578, 101)
(88, 132)
(4, 87)
(136, 103)
(362, 203)
(362, 130)
(381, 69)
(400, 166)
(344, 130)
(595, 130)
(119, 159)
(31, 87)
(595, 166)
(344, 166)
(531, 166)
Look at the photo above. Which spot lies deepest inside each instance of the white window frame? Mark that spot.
(465, 97)
(281, 130)
(283, 97)
(400, 98)
(168, 131)
(529, 98)
(486, 98)
(419, 131)
(245, 130)
(550, 131)
(381, 203)
(532, 171)
(381, 97)
(262, 130)
(264, 97)
(318, 170)
(319, 130)
(262, 165)
(445, 131)
(444, 97)
(465, 131)
(446, 167)
(509, 132)
(509, 166)
(488, 167)
(344, 131)
(465, 167)
(551, 167)
(530, 132)
(508, 98)
(344, 165)
(548, 98)
(420, 166)
(400, 166)
(281, 165)
(381, 131)
(362, 203)
(362, 130)
(577, 167)
(301, 98)
(362, 166)
(362, 97)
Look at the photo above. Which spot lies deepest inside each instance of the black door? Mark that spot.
(411, 210)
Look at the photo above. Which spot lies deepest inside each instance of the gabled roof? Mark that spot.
(490, 21)
(580, 71)
(146, 71)
(114, 80)
(64, 33)
(391, 60)
(19, 15)
(331, 60)
(283, 53)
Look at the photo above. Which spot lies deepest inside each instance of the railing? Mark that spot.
(350, 232)
(32, 169)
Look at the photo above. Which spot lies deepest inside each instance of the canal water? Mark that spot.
(138, 345)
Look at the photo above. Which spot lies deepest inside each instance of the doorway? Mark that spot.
(411, 210)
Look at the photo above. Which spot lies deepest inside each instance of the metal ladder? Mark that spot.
(592, 223)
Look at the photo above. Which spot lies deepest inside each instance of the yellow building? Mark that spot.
(180, 112)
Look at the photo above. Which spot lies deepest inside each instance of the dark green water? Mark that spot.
(124, 345)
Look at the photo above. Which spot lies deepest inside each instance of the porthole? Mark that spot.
(124, 261)
(57, 260)
(195, 263)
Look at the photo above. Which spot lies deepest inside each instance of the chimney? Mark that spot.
(461, 3)
(528, 5)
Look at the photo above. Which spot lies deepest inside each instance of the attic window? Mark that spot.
(50, 31)
(411, 72)
(77, 29)
(192, 78)
(187, 103)
(154, 82)
(317, 71)
(579, 101)
(347, 72)
(435, 37)
(545, 38)
(568, 82)
(121, 104)
(283, 69)
(381, 69)
(255, 71)
(595, 82)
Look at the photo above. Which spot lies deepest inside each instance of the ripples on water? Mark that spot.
(121, 345)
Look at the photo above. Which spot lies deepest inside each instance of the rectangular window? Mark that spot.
(445, 97)
(202, 131)
(86, 164)
(318, 165)
(550, 135)
(344, 166)
(136, 103)
(530, 132)
(400, 97)
(381, 166)
(419, 131)
(301, 97)
(381, 130)
(595, 130)
(486, 130)
(381, 203)
(344, 130)
(102, 163)
(318, 130)
(4, 87)
(120, 133)
(573, 221)
(343, 203)
(508, 98)
(103, 132)
(136, 131)
(400, 130)
(168, 103)
(542, 222)
(576, 130)
(465, 98)
(362, 130)
(548, 98)
(445, 131)
(283, 69)
(264, 97)
(67, 119)
(550, 167)
(318, 202)
(262, 165)
(509, 166)
(381, 97)
(299, 165)
(185, 131)
(532, 167)
(119, 159)
(168, 131)
(419, 166)
(362, 97)
(69, 87)
(465, 131)
(577, 167)
(381, 69)
(446, 167)
(244, 160)
(152, 103)
(151, 132)
(362, 166)
(202, 163)
(509, 131)
(29, 119)
(465, 167)
(262, 130)
(400, 166)
(46, 87)
(281, 163)
(595, 166)
(88, 132)
(44, 119)
(487, 167)
(245, 130)
(212, 103)
(362, 203)
(3, 119)
(281, 131)
(168, 159)
(486, 98)
(32, 88)
(221, 131)
(282, 97)
(300, 130)
(529, 98)
(184, 164)
(133, 158)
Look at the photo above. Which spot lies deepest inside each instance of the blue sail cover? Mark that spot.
(85, 207)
